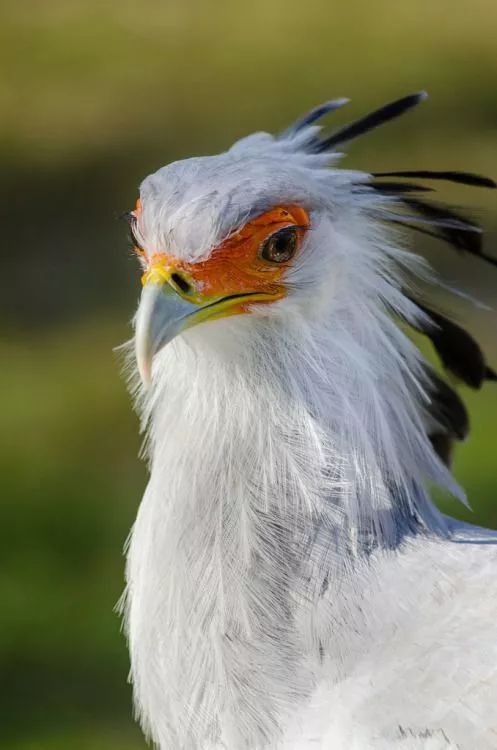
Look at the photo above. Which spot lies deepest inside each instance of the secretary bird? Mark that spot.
(290, 583)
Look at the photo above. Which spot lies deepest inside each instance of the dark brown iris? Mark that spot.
(281, 246)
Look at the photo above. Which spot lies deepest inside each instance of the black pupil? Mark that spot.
(281, 246)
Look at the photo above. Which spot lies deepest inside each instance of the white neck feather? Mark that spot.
(282, 451)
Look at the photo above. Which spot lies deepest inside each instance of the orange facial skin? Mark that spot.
(235, 266)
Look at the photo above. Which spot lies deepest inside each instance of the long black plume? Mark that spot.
(457, 349)
(451, 419)
(450, 226)
(397, 188)
(449, 409)
(315, 114)
(371, 121)
(464, 178)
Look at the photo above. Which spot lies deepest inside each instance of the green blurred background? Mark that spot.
(94, 95)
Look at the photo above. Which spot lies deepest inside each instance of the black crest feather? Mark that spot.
(463, 178)
(369, 122)
(490, 374)
(443, 445)
(449, 409)
(450, 416)
(457, 349)
(315, 114)
(449, 225)
(399, 188)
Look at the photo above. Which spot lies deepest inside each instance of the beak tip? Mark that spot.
(146, 378)
(143, 358)
(144, 365)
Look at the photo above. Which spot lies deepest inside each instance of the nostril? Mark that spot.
(181, 283)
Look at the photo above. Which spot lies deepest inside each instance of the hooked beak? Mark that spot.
(164, 312)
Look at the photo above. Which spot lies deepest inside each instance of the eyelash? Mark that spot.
(131, 219)
(133, 241)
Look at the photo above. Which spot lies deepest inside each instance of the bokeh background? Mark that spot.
(94, 95)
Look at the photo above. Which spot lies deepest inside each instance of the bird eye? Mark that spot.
(281, 246)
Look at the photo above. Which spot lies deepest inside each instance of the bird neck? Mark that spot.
(263, 424)
(278, 459)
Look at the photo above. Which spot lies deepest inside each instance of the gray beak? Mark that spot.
(162, 314)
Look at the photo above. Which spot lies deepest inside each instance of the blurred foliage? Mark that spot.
(94, 95)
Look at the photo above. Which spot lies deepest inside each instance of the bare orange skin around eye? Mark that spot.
(235, 266)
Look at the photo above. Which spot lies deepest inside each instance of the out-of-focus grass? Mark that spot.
(475, 462)
(71, 484)
(87, 75)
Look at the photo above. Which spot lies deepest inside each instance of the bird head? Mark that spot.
(246, 270)
(227, 235)
(268, 228)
